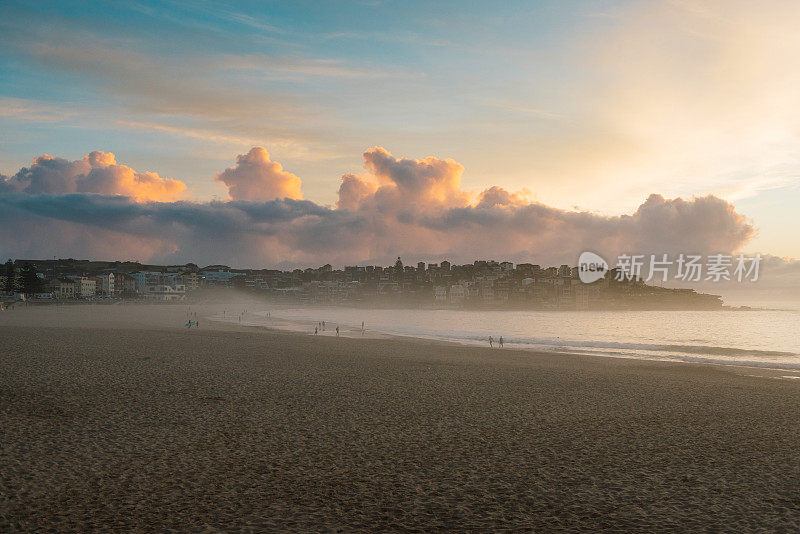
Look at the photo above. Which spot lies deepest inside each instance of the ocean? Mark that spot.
(763, 338)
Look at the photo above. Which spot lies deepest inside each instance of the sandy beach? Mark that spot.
(117, 418)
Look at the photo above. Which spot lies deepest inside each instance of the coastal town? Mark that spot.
(483, 284)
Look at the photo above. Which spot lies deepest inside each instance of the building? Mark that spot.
(171, 279)
(164, 292)
(256, 281)
(62, 288)
(146, 283)
(487, 292)
(146, 278)
(458, 293)
(191, 281)
(440, 294)
(128, 286)
(86, 287)
(106, 286)
(219, 278)
(124, 284)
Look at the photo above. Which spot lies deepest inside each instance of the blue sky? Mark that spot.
(593, 105)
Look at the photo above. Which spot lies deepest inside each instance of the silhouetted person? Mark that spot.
(316, 330)
(491, 341)
(501, 342)
(337, 331)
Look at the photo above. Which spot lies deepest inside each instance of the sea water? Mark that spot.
(764, 338)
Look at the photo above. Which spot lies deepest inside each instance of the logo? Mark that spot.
(591, 267)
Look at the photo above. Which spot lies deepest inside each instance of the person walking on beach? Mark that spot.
(491, 341)
(362, 328)
(337, 330)
(500, 342)
(323, 326)
(316, 330)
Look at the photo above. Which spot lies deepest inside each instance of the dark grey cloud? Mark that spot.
(413, 208)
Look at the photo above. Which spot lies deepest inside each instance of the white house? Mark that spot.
(440, 293)
(164, 292)
(88, 287)
(458, 293)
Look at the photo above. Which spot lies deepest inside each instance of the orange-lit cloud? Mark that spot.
(98, 172)
(392, 184)
(256, 178)
(410, 207)
(427, 184)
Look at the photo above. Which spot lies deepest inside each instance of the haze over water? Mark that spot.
(757, 338)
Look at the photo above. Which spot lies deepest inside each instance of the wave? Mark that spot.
(690, 349)
(695, 349)
(561, 343)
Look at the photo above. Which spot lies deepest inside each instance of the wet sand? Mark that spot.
(118, 418)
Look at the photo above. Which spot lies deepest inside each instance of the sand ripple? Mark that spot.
(222, 431)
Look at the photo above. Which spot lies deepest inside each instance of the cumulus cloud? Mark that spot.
(256, 178)
(497, 196)
(426, 183)
(400, 206)
(701, 225)
(353, 191)
(420, 185)
(98, 172)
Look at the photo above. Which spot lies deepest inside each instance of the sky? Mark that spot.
(398, 123)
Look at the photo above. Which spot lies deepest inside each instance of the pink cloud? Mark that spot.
(98, 172)
(392, 183)
(400, 206)
(256, 178)
(353, 191)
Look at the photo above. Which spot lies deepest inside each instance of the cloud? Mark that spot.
(26, 110)
(701, 225)
(200, 93)
(150, 85)
(497, 196)
(400, 184)
(400, 206)
(353, 191)
(256, 178)
(98, 172)
(414, 208)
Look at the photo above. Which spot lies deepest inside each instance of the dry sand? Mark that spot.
(135, 423)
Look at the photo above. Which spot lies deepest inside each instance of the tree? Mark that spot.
(11, 277)
(29, 279)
